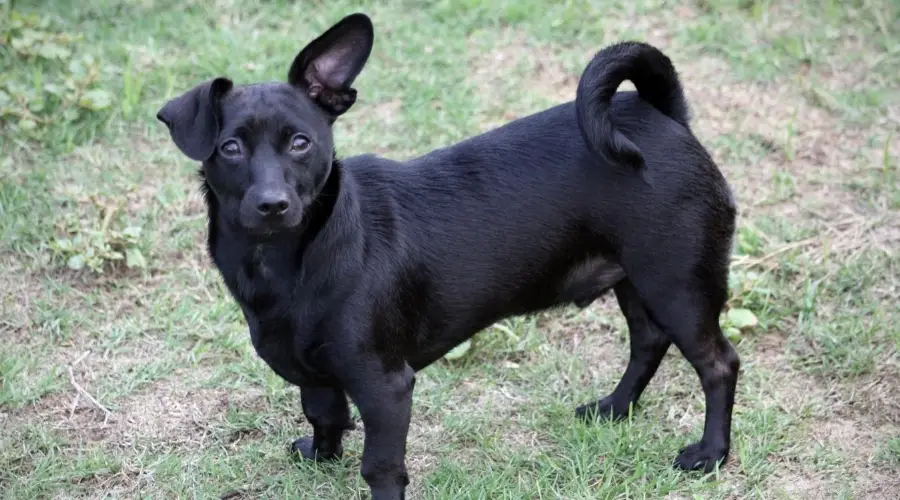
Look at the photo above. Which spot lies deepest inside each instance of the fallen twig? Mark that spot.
(82, 392)
(74, 405)
(759, 260)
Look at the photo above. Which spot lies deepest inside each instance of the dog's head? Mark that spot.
(267, 149)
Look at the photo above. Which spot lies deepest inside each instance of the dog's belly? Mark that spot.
(581, 285)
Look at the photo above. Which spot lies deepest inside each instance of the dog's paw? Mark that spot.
(605, 409)
(701, 457)
(303, 447)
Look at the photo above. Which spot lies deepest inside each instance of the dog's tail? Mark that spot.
(656, 81)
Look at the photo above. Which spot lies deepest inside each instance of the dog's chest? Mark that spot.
(262, 281)
(283, 335)
(288, 348)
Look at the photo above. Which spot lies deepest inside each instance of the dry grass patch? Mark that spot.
(787, 135)
(18, 288)
(510, 65)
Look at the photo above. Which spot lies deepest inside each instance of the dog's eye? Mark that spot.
(230, 148)
(299, 144)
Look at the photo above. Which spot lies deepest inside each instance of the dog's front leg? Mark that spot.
(384, 399)
(327, 411)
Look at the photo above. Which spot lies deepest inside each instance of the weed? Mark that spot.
(50, 91)
(98, 242)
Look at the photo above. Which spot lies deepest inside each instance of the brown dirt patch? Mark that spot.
(858, 440)
(167, 413)
(420, 457)
(856, 435)
(874, 396)
(598, 335)
(18, 288)
(513, 63)
(170, 414)
(801, 484)
(793, 135)
(544, 74)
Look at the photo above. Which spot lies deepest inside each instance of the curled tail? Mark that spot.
(656, 81)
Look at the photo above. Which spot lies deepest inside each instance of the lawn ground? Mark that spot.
(140, 381)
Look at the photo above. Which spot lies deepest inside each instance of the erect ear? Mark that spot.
(325, 69)
(193, 118)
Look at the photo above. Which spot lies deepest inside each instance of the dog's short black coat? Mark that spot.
(353, 274)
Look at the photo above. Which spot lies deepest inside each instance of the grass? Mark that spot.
(797, 101)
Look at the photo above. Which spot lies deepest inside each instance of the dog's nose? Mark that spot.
(273, 203)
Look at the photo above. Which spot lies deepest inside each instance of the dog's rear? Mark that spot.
(674, 234)
(656, 81)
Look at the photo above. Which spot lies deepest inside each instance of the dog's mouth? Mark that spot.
(263, 227)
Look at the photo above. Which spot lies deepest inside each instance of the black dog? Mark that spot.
(354, 274)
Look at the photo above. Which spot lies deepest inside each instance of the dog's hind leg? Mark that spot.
(648, 346)
(327, 411)
(687, 310)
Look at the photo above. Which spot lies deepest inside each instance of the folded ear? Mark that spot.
(193, 118)
(325, 69)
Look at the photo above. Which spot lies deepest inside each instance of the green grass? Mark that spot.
(796, 100)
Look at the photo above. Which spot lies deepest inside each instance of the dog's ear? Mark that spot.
(325, 69)
(193, 118)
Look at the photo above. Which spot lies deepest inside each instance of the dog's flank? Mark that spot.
(354, 274)
(656, 82)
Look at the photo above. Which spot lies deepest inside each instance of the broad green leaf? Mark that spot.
(75, 262)
(742, 318)
(459, 351)
(63, 244)
(732, 333)
(70, 114)
(134, 258)
(52, 50)
(96, 99)
(132, 232)
(76, 68)
(27, 125)
(54, 88)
